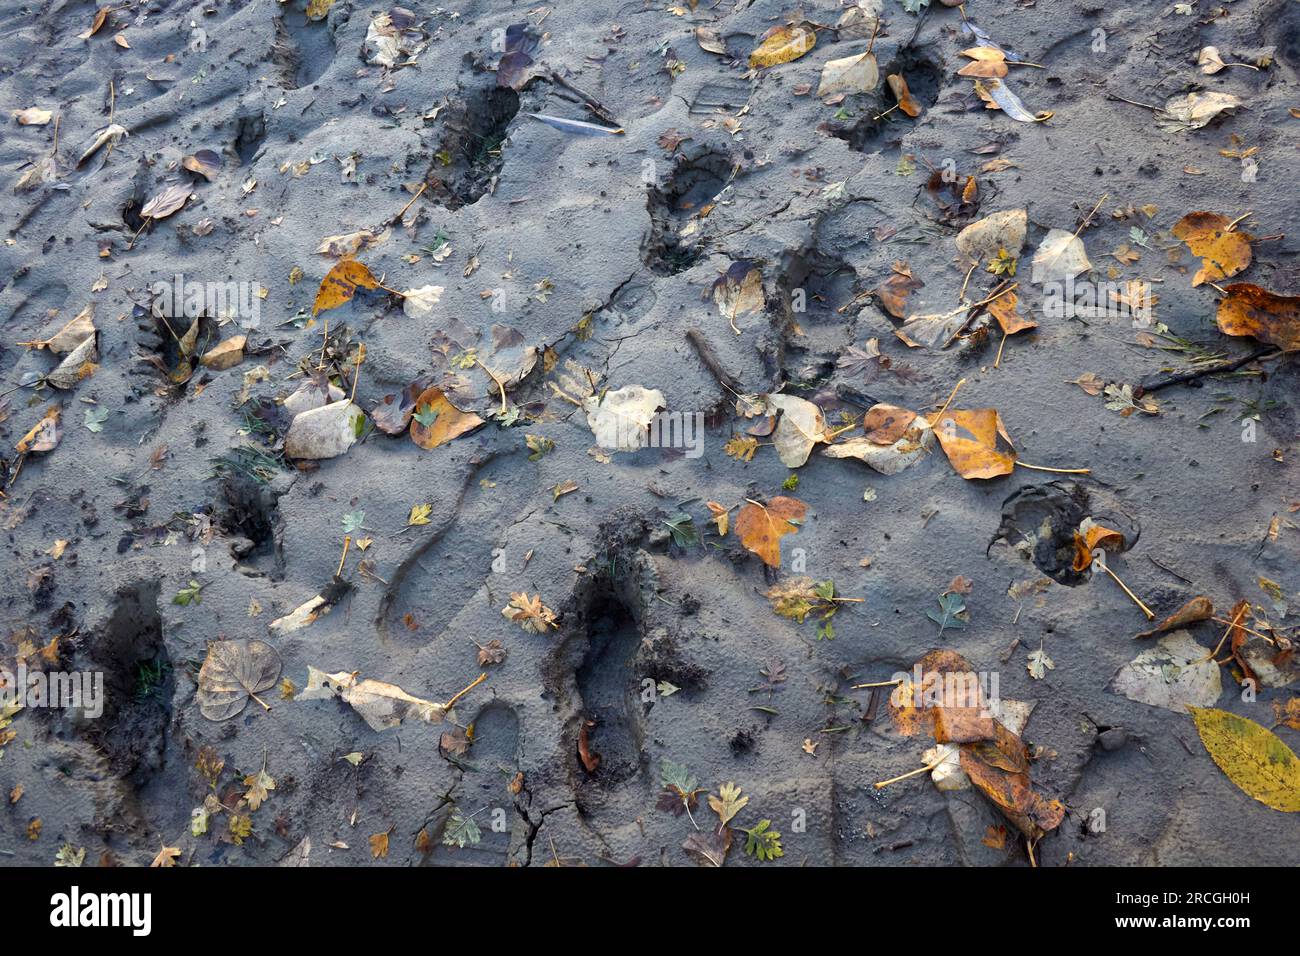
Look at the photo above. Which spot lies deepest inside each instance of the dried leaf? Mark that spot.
(976, 443)
(436, 421)
(1223, 253)
(1249, 310)
(233, 672)
(761, 528)
(341, 283)
(782, 44)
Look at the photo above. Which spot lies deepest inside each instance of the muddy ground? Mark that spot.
(825, 204)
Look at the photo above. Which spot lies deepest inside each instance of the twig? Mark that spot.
(1136, 600)
(1058, 471)
(478, 680)
(418, 193)
(592, 103)
(710, 360)
(1157, 382)
(911, 773)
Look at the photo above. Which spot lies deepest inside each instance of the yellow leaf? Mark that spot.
(419, 514)
(976, 443)
(1223, 253)
(783, 44)
(341, 283)
(1253, 758)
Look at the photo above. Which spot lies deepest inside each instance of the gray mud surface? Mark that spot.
(593, 268)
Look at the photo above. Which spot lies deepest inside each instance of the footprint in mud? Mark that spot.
(471, 152)
(484, 790)
(611, 706)
(130, 652)
(434, 583)
(248, 515)
(1039, 523)
(303, 48)
(692, 185)
(871, 120)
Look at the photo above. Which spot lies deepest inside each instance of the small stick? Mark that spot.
(1058, 471)
(418, 193)
(710, 360)
(356, 376)
(879, 683)
(504, 407)
(959, 384)
(592, 103)
(347, 543)
(1136, 600)
(1155, 383)
(911, 773)
(997, 362)
(478, 680)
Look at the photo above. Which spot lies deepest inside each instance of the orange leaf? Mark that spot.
(1250, 310)
(761, 528)
(1003, 308)
(341, 283)
(906, 101)
(450, 423)
(976, 443)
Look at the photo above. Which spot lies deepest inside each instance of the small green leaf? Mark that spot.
(95, 418)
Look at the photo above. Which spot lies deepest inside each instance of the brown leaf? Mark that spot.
(590, 759)
(894, 291)
(1249, 310)
(886, 424)
(1003, 308)
(761, 527)
(708, 848)
(1198, 608)
(906, 102)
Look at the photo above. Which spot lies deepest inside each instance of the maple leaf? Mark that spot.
(1039, 663)
(69, 855)
(166, 857)
(727, 803)
(419, 514)
(241, 827)
(529, 613)
(952, 607)
(741, 447)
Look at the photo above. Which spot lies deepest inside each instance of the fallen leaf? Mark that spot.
(529, 613)
(848, 75)
(782, 44)
(801, 426)
(761, 528)
(1177, 672)
(418, 303)
(1253, 758)
(436, 421)
(906, 101)
(233, 672)
(708, 848)
(1198, 608)
(32, 116)
(1194, 110)
(1249, 310)
(166, 202)
(341, 283)
(894, 291)
(620, 418)
(976, 443)
(379, 704)
(984, 239)
(1060, 256)
(1223, 253)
